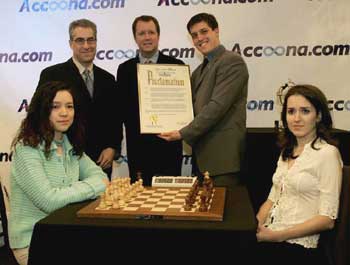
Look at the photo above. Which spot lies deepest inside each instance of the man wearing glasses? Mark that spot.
(95, 89)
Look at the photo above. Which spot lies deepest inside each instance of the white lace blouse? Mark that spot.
(310, 187)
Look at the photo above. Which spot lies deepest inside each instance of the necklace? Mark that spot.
(58, 142)
(61, 153)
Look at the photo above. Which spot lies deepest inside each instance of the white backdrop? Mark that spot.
(306, 41)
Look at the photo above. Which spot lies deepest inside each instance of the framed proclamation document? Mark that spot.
(165, 97)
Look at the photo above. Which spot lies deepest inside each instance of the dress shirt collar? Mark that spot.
(82, 68)
(153, 58)
(215, 52)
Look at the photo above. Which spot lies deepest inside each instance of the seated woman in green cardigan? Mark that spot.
(49, 168)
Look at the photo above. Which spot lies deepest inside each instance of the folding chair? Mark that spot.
(342, 231)
(7, 257)
(335, 243)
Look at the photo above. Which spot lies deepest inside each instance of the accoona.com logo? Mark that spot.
(252, 105)
(260, 105)
(339, 105)
(68, 5)
(208, 2)
(292, 50)
(5, 157)
(268, 105)
(130, 53)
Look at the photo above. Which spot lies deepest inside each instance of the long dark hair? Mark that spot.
(36, 127)
(315, 96)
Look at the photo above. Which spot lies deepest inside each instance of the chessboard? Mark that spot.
(161, 203)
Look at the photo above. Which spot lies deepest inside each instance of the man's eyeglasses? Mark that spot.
(81, 41)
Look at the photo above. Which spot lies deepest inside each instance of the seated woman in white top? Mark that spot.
(304, 198)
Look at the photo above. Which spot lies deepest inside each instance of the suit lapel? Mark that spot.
(198, 76)
(78, 79)
(161, 58)
(97, 81)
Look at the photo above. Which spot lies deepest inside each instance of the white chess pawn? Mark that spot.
(116, 204)
(121, 197)
(133, 191)
(140, 185)
(102, 205)
(109, 199)
(127, 195)
(122, 202)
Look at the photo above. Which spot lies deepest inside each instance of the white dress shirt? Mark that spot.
(152, 59)
(309, 188)
(82, 68)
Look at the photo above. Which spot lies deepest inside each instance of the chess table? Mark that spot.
(68, 239)
(161, 203)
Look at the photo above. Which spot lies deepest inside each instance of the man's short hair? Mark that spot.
(203, 17)
(83, 23)
(145, 18)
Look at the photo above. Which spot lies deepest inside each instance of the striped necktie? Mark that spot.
(88, 82)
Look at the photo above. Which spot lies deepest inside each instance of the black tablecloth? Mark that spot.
(63, 238)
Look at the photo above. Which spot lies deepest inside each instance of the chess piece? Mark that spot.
(102, 205)
(207, 182)
(121, 200)
(127, 196)
(140, 183)
(108, 197)
(116, 204)
(203, 207)
(188, 205)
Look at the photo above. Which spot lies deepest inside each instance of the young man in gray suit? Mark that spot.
(219, 91)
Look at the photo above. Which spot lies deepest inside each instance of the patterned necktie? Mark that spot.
(88, 81)
(148, 61)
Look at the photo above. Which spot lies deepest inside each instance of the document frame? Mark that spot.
(165, 97)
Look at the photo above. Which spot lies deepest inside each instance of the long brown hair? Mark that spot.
(315, 96)
(36, 127)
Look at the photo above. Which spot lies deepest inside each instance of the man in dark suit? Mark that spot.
(95, 89)
(146, 153)
(219, 90)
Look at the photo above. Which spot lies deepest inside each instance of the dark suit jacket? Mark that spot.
(146, 153)
(102, 124)
(217, 133)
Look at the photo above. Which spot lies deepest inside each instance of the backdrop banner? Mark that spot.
(305, 41)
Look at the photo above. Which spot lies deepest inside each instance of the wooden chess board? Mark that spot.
(162, 203)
